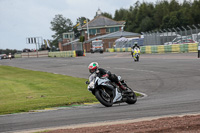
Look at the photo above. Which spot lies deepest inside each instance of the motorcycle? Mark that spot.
(108, 93)
(136, 54)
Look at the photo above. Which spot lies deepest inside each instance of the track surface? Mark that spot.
(171, 82)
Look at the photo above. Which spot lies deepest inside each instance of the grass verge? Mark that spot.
(23, 90)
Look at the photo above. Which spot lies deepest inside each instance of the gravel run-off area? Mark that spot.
(172, 124)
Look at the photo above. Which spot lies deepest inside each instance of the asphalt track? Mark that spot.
(170, 81)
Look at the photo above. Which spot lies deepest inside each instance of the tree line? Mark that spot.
(145, 16)
(140, 17)
(7, 51)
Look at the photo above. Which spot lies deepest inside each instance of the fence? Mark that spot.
(189, 34)
(77, 46)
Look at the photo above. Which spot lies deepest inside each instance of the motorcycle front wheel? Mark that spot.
(132, 98)
(104, 98)
(137, 58)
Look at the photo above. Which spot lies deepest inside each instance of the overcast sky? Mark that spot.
(20, 19)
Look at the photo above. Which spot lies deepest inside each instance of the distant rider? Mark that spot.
(135, 45)
(94, 67)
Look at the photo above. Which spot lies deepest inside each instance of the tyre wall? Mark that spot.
(63, 54)
(74, 53)
(175, 48)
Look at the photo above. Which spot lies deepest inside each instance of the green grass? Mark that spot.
(24, 90)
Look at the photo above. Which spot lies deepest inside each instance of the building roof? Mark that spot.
(101, 21)
(77, 40)
(117, 34)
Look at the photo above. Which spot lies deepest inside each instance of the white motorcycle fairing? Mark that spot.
(118, 96)
(104, 82)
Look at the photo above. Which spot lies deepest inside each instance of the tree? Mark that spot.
(121, 14)
(174, 6)
(116, 17)
(131, 23)
(161, 10)
(195, 10)
(60, 25)
(79, 23)
(146, 24)
(107, 15)
(177, 19)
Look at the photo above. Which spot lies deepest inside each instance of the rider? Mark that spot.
(94, 67)
(135, 45)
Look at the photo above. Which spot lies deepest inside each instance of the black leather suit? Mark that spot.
(112, 77)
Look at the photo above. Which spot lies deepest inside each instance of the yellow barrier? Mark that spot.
(175, 48)
(193, 47)
(161, 49)
(148, 49)
(111, 50)
(63, 54)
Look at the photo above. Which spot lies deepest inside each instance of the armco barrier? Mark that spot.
(52, 54)
(175, 48)
(17, 55)
(74, 53)
(34, 54)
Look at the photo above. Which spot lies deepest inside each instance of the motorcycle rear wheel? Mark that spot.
(105, 101)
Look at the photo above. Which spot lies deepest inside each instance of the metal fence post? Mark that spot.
(159, 40)
(150, 37)
(162, 42)
(147, 37)
(185, 31)
(180, 32)
(171, 34)
(155, 42)
(196, 32)
(144, 37)
(175, 31)
(190, 29)
(167, 35)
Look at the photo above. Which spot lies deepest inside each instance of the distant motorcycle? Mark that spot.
(108, 93)
(136, 54)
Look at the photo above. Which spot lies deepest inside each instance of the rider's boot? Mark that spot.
(121, 86)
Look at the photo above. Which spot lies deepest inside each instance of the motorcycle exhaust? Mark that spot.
(124, 99)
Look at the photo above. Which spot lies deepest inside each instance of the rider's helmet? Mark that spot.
(135, 43)
(93, 67)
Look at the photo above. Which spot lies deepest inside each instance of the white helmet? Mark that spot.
(93, 67)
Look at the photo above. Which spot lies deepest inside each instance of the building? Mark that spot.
(101, 27)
